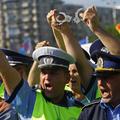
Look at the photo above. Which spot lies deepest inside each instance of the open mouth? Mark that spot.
(48, 86)
(105, 93)
(73, 81)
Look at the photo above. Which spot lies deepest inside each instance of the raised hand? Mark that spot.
(90, 17)
(42, 44)
(52, 17)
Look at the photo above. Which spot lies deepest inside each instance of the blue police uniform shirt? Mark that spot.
(112, 113)
(24, 101)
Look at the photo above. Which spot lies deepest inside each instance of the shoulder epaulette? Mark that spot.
(97, 101)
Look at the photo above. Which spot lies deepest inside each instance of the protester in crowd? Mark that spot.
(65, 40)
(74, 85)
(91, 19)
(108, 78)
(52, 102)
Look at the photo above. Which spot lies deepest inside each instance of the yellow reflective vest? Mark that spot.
(2, 90)
(98, 93)
(45, 110)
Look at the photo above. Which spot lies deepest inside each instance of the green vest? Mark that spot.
(45, 110)
(2, 91)
(98, 93)
(67, 88)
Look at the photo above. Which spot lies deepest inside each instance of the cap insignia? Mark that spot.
(48, 60)
(104, 49)
(6, 57)
(100, 63)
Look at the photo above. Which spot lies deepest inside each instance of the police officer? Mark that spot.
(52, 102)
(18, 61)
(22, 64)
(108, 77)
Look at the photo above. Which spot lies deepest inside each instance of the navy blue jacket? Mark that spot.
(93, 111)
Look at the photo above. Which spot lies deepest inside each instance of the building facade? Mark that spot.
(25, 20)
(22, 20)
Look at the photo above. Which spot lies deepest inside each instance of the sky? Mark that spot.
(86, 3)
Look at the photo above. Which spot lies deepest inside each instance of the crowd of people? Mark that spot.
(61, 83)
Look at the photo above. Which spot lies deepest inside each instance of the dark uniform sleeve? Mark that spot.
(93, 111)
(83, 115)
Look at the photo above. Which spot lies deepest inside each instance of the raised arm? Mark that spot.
(9, 75)
(33, 76)
(74, 49)
(56, 33)
(34, 73)
(91, 19)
